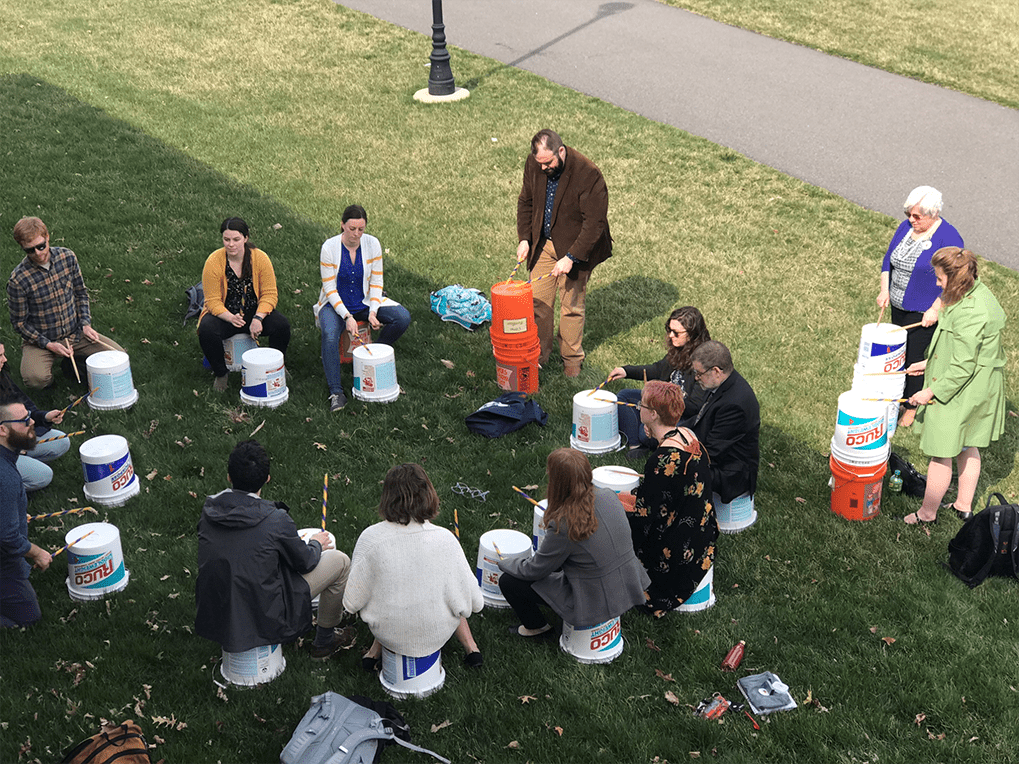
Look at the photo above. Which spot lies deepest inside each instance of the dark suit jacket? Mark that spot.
(580, 225)
(730, 429)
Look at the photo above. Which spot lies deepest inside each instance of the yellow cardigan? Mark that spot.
(214, 283)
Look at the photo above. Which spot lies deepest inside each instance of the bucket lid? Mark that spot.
(106, 360)
(103, 446)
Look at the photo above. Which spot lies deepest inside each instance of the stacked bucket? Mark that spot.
(866, 419)
(515, 337)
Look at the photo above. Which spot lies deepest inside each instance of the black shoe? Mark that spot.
(337, 402)
(372, 664)
(474, 660)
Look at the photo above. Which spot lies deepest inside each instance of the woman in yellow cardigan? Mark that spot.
(962, 403)
(240, 296)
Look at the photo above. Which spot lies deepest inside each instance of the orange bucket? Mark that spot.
(856, 491)
(512, 312)
(363, 331)
(518, 373)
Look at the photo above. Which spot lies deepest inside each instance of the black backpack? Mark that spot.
(987, 544)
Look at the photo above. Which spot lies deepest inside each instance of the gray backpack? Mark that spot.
(336, 730)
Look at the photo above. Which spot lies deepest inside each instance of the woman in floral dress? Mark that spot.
(672, 522)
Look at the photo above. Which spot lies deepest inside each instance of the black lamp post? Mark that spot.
(440, 78)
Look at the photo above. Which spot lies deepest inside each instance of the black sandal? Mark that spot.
(920, 520)
(371, 664)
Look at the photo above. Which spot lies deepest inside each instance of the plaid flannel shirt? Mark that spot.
(48, 305)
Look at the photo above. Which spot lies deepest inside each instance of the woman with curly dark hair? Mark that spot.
(685, 331)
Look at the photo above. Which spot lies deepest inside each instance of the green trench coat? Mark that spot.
(965, 370)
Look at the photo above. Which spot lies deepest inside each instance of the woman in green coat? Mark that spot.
(962, 403)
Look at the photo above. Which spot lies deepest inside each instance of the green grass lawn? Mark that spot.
(133, 129)
(968, 45)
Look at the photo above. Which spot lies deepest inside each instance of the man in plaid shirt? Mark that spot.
(48, 302)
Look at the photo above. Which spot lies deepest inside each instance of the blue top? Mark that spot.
(350, 278)
(14, 542)
(922, 290)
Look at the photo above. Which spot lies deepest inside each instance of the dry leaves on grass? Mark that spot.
(448, 364)
(814, 703)
(888, 640)
(253, 432)
(239, 417)
(801, 500)
(671, 697)
(320, 446)
(441, 725)
(663, 676)
(932, 736)
(513, 744)
(526, 698)
(170, 722)
(554, 728)
(152, 475)
(919, 719)
(650, 644)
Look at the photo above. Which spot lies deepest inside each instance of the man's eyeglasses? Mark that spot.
(26, 421)
(698, 374)
(36, 248)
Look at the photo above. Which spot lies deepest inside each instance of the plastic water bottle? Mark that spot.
(895, 483)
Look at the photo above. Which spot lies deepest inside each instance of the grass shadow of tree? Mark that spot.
(623, 304)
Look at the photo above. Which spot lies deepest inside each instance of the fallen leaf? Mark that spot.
(873, 629)
(447, 364)
(972, 739)
(919, 719)
(221, 695)
(650, 644)
(167, 477)
(531, 487)
(163, 578)
(152, 475)
(145, 341)
(526, 698)
(801, 500)
(320, 446)
(671, 697)
(513, 744)
(146, 282)
(158, 739)
(558, 731)
(192, 494)
(258, 718)
(257, 429)
(695, 754)
(441, 725)
(662, 675)
(932, 736)
(470, 374)
(1012, 413)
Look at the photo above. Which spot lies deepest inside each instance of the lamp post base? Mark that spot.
(458, 94)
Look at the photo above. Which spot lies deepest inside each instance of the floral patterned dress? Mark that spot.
(673, 523)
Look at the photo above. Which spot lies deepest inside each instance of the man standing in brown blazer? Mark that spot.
(563, 229)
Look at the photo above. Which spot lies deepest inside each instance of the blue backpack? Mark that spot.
(467, 307)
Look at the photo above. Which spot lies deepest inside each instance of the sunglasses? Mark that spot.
(36, 248)
(26, 421)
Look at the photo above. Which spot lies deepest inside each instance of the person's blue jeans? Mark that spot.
(394, 319)
(629, 418)
(35, 474)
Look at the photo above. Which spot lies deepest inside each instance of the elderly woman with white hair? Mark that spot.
(907, 278)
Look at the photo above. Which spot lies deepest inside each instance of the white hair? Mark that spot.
(929, 199)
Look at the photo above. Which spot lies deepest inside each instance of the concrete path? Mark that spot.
(861, 133)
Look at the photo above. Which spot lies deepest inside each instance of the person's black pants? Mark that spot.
(524, 600)
(917, 342)
(212, 331)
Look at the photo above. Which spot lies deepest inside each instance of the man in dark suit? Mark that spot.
(562, 224)
(729, 422)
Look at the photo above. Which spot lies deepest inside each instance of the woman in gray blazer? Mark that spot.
(585, 568)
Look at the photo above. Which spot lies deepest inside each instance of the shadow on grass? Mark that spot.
(623, 304)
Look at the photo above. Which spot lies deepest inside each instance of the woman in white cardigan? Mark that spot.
(351, 269)
(409, 580)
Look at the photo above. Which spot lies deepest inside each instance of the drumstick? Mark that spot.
(600, 385)
(86, 395)
(913, 326)
(881, 314)
(890, 400)
(361, 343)
(631, 405)
(325, 499)
(107, 345)
(76, 374)
(72, 543)
(456, 523)
(525, 496)
(622, 472)
(515, 269)
(58, 514)
(496, 546)
(58, 437)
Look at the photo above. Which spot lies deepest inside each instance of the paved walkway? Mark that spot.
(861, 133)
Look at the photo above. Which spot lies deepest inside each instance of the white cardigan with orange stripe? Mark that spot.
(329, 265)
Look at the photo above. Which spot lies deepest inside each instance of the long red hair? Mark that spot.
(570, 494)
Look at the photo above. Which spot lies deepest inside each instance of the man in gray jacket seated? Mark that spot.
(256, 577)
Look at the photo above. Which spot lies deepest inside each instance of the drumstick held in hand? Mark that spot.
(76, 374)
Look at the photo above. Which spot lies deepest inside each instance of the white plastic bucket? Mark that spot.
(861, 430)
(600, 644)
(616, 479)
(109, 473)
(882, 347)
(403, 676)
(738, 515)
(595, 422)
(306, 534)
(109, 379)
(234, 349)
(252, 667)
(890, 386)
(375, 374)
(537, 531)
(95, 565)
(703, 597)
(511, 545)
(263, 378)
